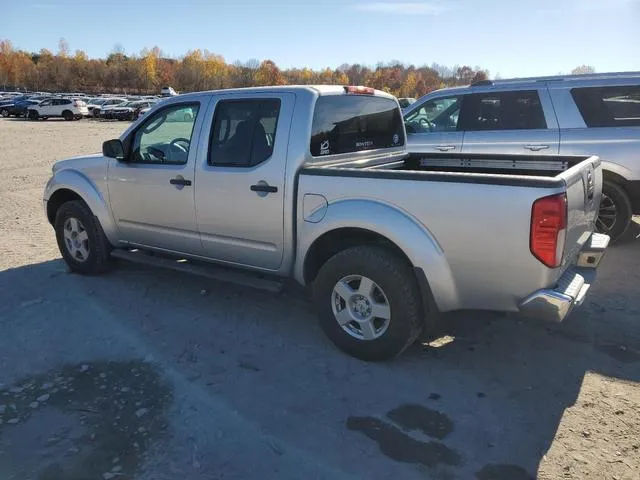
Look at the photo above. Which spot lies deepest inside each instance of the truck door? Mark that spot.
(152, 192)
(511, 122)
(240, 179)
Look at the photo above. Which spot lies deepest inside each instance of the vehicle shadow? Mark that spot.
(487, 401)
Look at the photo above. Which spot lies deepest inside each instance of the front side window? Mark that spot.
(436, 115)
(165, 138)
(518, 110)
(244, 132)
(609, 106)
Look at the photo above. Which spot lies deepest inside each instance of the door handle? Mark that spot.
(180, 181)
(535, 148)
(445, 148)
(264, 188)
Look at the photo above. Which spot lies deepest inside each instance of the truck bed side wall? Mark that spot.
(471, 239)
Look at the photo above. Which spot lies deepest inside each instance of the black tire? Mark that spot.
(99, 248)
(614, 216)
(33, 115)
(67, 115)
(394, 277)
(4, 113)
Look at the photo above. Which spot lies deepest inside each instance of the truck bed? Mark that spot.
(480, 220)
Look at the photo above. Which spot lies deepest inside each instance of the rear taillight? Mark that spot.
(360, 90)
(548, 229)
(78, 103)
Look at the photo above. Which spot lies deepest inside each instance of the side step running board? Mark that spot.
(202, 269)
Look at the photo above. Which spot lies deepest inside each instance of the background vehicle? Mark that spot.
(168, 92)
(99, 110)
(595, 114)
(129, 110)
(325, 193)
(405, 102)
(18, 109)
(58, 107)
(96, 102)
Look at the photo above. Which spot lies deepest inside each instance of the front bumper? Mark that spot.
(554, 304)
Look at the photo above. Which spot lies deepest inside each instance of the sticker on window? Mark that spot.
(324, 147)
(364, 144)
(396, 138)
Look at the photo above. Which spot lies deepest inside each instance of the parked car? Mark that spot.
(99, 111)
(58, 107)
(584, 114)
(129, 110)
(322, 190)
(18, 109)
(96, 102)
(405, 102)
(168, 92)
(143, 111)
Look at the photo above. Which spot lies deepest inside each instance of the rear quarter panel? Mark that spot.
(471, 239)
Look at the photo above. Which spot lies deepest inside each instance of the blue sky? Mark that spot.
(509, 37)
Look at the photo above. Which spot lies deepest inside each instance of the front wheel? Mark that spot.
(33, 115)
(614, 214)
(368, 302)
(81, 240)
(4, 113)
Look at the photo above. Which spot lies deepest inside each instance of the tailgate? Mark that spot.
(584, 189)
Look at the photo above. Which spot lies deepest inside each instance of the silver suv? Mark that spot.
(596, 114)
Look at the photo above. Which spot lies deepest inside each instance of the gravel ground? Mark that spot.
(150, 374)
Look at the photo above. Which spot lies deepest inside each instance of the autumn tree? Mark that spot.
(583, 70)
(201, 69)
(269, 74)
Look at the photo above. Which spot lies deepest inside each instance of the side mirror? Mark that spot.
(113, 149)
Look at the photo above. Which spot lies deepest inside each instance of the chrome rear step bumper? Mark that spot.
(554, 304)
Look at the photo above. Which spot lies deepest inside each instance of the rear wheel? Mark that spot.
(81, 240)
(67, 115)
(4, 113)
(368, 302)
(614, 215)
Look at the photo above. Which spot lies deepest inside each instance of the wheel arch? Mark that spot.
(68, 186)
(348, 223)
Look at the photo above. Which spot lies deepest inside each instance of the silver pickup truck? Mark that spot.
(315, 183)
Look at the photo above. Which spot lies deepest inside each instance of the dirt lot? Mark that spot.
(150, 374)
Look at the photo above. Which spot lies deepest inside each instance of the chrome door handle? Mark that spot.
(445, 148)
(535, 148)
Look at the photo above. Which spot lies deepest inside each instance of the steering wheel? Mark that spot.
(177, 142)
(424, 123)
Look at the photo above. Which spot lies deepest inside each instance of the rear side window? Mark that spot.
(351, 123)
(609, 106)
(520, 110)
(243, 132)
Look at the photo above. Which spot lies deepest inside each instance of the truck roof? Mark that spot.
(316, 89)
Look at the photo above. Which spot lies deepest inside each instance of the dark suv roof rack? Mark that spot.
(557, 78)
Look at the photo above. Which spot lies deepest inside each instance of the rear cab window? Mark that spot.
(616, 106)
(352, 122)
